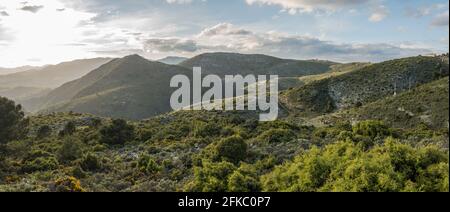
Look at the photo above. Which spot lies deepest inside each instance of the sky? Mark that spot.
(39, 32)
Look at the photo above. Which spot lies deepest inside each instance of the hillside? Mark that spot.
(368, 84)
(232, 63)
(426, 105)
(52, 76)
(131, 87)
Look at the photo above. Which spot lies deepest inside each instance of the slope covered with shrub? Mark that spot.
(219, 151)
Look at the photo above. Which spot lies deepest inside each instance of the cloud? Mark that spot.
(224, 29)
(33, 9)
(5, 35)
(179, 1)
(170, 45)
(295, 6)
(424, 11)
(441, 20)
(3, 13)
(379, 14)
(223, 37)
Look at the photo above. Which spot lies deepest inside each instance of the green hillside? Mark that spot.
(131, 87)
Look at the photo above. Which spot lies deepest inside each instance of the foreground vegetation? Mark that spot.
(215, 151)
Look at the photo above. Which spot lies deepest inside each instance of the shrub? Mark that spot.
(40, 164)
(245, 179)
(224, 177)
(71, 150)
(69, 129)
(90, 162)
(372, 129)
(232, 149)
(148, 165)
(211, 177)
(118, 133)
(346, 166)
(278, 136)
(13, 125)
(68, 184)
(96, 123)
(204, 130)
(43, 132)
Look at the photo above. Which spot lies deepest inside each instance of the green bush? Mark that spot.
(224, 177)
(347, 166)
(148, 165)
(232, 149)
(244, 179)
(69, 129)
(278, 136)
(204, 130)
(90, 162)
(118, 133)
(40, 164)
(372, 129)
(43, 132)
(70, 150)
(212, 177)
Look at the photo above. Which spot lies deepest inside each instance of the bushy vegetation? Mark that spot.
(346, 166)
(232, 151)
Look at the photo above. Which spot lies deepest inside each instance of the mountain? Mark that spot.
(173, 60)
(365, 85)
(232, 63)
(135, 88)
(131, 87)
(5, 71)
(52, 76)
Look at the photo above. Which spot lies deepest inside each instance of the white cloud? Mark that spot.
(295, 6)
(219, 38)
(379, 14)
(441, 20)
(179, 1)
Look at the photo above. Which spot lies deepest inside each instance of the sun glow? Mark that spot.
(43, 35)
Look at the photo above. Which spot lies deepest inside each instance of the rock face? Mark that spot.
(367, 84)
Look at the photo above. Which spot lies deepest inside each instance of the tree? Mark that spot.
(118, 133)
(13, 124)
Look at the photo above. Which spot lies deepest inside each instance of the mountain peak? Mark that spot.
(134, 57)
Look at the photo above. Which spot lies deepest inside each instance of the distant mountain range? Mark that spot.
(173, 60)
(136, 88)
(5, 71)
(51, 76)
